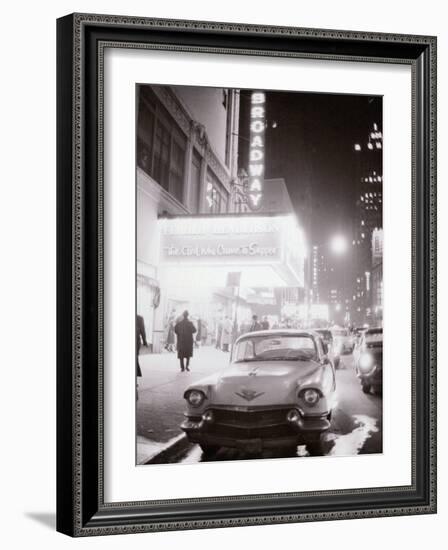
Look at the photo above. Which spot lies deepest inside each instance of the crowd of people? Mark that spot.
(184, 333)
(220, 332)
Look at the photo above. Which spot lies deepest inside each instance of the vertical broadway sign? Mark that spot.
(256, 150)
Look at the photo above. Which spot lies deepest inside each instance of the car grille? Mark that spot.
(250, 418)
(250, 424)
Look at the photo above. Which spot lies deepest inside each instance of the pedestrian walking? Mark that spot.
(204, 334)
(200, 331)
(184, 330)
(265, 323)
(218, 334)
(170, 334)
(255, 325)
(141, 339)
(226, 337)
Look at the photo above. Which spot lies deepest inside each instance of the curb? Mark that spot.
(176, 447)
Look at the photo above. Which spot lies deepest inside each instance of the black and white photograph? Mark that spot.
(259, 274)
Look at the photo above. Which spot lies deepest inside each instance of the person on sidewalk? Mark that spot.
(184, 330)
(141, 339)
(170, 336)
(226, 338)
(198, 339)
(218, 334)
(265, 323)
(255, 324)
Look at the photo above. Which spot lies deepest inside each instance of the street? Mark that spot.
(356, 426)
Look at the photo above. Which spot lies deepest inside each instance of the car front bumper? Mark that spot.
(249, 435)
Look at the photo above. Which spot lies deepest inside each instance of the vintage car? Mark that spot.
(278, 391)
(369, 360)
(343, 341)
(334, 352)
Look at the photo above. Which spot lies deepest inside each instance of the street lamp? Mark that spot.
(339, 244)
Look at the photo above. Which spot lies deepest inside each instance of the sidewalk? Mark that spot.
(160, 404)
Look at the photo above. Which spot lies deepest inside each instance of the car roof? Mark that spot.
(279, 332)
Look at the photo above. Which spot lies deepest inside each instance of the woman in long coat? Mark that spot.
(226, 338)
(184, 330)
(170, 336)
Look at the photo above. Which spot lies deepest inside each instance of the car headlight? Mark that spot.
(310, 396)
(195, 398)
(366, 362)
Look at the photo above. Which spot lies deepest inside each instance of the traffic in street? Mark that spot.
(355, 427)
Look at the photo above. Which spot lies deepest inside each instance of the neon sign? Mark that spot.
(256, 150)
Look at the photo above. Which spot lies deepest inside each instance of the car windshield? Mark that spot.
(275, 348)
(326, 334)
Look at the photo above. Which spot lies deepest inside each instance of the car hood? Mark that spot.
(262, 383)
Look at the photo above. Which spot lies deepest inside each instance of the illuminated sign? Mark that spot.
(256, 150)
(221, 241)
(234, 242)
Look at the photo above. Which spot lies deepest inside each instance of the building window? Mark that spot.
(177, 167)
(145, 134)
(228, 105)
(161, 157)
(217, 197)
(195, 182)
(160, 144)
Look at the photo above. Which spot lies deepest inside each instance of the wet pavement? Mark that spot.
(160, 404)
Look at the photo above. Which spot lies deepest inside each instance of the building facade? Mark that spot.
(186, 157)
(377, 276)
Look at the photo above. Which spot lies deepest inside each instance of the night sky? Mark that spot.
(312, 149)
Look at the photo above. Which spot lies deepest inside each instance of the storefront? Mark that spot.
(215, 266)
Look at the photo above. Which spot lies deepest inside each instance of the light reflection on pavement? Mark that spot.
(351, 443)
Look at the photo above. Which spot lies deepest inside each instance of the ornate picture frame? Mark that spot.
(81, 43)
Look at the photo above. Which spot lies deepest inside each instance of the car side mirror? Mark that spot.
(325, 347)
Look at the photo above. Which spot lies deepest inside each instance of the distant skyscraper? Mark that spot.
(368, 218)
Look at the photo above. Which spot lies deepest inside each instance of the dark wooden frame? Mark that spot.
(81, 39)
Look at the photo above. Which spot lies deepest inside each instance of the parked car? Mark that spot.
(333, 353)
(343, 340)
(279, 390)
(358, 333)
(369, 360)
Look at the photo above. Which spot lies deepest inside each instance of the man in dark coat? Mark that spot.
(141, 339)
(265, 323)
(184, 330)
(255, 324)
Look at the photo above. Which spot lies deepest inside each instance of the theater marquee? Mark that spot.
(221, 241)
(242, 242)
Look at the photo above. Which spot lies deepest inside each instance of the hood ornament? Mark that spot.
(249, 395)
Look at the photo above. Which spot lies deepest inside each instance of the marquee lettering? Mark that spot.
(256, 150)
